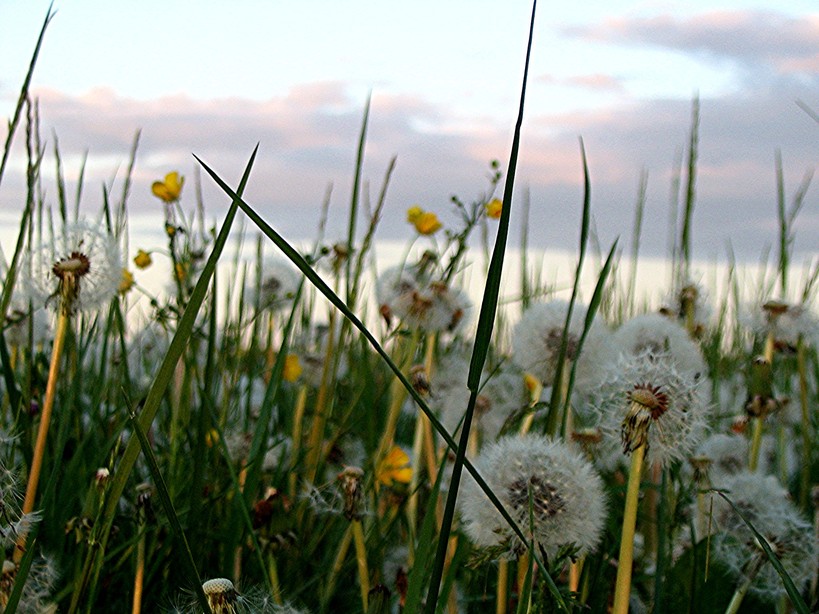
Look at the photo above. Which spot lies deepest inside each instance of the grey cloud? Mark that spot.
(308, 140)
(785, 43)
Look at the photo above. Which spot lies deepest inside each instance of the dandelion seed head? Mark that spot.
(79, 270)
(279, 284)
(646, 399)
(654, 333)
(766, 504)
(537, 337)
(502, 391)
(567, 499)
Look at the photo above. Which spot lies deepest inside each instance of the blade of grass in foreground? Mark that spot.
(483, 336)
(170, 511)
(160, 384)
(793, 592)
(334, 299)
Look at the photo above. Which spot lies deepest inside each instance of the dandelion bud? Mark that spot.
(351, 489)
(101, 477)
(419, 380)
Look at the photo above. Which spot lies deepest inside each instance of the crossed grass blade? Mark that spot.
(160, 384)
(793, 592)
(339, 304)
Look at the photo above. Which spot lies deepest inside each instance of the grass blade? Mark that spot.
(483, 335)
(164, 376)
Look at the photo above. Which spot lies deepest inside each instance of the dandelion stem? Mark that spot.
(807, 444)
(298, 420)
(45, 419)
(139, 576)
(624, 562)
(273, 573)
(503, 587)
(756, 443)
(361, 560)
(742, 589)
(343, 548)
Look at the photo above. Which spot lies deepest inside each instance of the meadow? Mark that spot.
(290, 428)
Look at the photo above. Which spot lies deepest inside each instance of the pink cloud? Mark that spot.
(309, 136)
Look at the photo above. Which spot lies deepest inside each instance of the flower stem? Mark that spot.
(503, 587)
(361, 559)
(298, 420)
(742, 589)
(139, 576)
(756, 443)
(45, 420)
(807, 444)
(622, 589)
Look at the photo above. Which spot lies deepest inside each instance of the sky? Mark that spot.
(216, 78)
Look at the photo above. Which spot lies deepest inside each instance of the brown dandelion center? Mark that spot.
(483, 405)
(546, 501)
(650, 398)
(76, 265)
(420, 304)
(554, 338)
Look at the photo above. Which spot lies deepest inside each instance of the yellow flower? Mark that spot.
(413, 213)
(127, 282)
(170, 230)
(168, 190)
(494, 208)
(394, 468)
(292, 368)
(211, 438)
(427, 223)
(181, 271)
(143, 259)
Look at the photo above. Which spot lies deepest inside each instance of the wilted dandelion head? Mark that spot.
(647, 400)
(223, 598)
(409, 293)
(765, 503)
(534, 474)
(537, 339)
(79, 270)
(786, 322)
(221, 595)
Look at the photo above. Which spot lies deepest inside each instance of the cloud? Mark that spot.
(309, 137)
(786, 44)
(594, 82)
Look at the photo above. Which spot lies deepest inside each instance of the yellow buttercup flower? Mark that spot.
(143, 259)
(127, 281)
(427, 223)
(413, 213)
(394, 468)
(292, 368)
(170, 189)
(494, 208)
